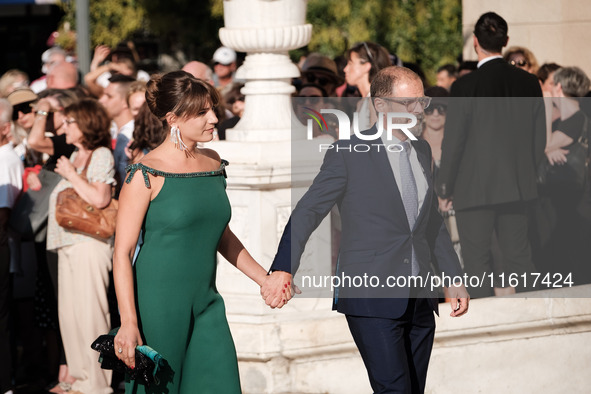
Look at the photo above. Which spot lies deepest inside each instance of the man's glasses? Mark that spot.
(410, 103)
(518, 63)
(310, 77)
(442, 109)
(25, 108)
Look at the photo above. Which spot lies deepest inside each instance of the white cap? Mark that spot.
(224, 55)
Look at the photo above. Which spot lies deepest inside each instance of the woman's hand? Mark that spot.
(557, 156)
(65, 168)
(43, 105)
(127, 338)
(48, 104)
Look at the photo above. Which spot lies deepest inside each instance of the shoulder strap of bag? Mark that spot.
(83, 173)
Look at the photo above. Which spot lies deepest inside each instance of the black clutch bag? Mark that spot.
(147, 361)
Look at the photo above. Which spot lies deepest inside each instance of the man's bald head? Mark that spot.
(199, 70)
(390, 79)
(63, 75)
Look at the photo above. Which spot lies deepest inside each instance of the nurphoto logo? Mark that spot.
(392, 120)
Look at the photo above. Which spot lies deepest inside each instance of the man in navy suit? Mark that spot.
(490, 152)
(390, 229)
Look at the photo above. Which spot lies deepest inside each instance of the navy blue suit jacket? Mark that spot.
(376, 238)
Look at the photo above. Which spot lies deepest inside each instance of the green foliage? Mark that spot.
(111, 21)
(217, 8)
(185, 27)
(425, 32)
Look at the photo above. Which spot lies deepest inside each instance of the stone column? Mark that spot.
(266, 30)
(278, 350)
(259, 146)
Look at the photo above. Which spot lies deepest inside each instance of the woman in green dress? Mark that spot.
(176, 196)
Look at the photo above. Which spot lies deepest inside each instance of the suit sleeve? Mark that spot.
(313, 207)
(282, 260)
(443, 255)
(453, 145)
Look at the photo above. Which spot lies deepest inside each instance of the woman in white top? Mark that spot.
(84, 262)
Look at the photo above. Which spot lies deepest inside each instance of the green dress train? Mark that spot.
(180, 312)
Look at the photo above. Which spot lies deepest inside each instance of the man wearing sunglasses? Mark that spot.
(490, 152)
(390, 229)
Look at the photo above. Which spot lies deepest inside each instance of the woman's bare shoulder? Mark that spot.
(210, 153)
(155, 159)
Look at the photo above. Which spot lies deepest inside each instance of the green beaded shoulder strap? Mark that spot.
(131, 170)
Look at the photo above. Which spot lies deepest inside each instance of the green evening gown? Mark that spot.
(180, 312)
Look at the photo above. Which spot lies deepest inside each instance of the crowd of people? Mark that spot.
(67, 131)
(93, 132)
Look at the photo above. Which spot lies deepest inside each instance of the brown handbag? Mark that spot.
(75, 214)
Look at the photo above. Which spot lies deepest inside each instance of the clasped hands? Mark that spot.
(278, 288)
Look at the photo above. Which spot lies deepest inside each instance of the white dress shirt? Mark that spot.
(488, 59)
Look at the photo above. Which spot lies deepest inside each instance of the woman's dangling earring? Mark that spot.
(175, 137)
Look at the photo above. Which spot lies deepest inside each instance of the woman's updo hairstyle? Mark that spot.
(180, 93)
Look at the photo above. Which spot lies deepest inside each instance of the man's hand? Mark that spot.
(34, 182)
(459, 300)
(445, 204)
(278, 288)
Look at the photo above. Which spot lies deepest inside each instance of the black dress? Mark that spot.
(567, 250)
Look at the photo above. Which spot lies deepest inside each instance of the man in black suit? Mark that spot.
(390, 229)
(490, 153)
